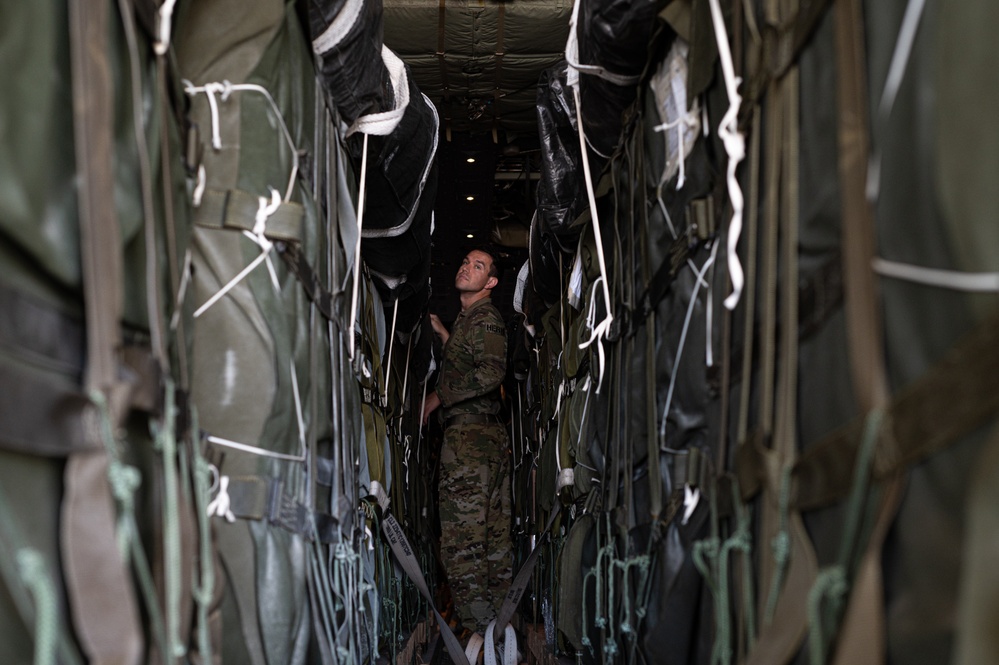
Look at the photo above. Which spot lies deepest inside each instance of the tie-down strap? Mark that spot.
(237, 210)
(955, 396)
(264, 499)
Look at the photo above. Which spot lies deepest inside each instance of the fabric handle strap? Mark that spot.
(101, 597)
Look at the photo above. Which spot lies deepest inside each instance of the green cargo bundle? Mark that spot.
(784, 431)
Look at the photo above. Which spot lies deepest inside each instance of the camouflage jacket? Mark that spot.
(474, 361)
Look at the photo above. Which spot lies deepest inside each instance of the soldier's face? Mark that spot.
(473, 274)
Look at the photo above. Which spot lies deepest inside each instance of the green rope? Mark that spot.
(706, 554)
(164, 440)
(781, 545)
(124, 480)
(745, 545)
(34, 573)
(861, 478)
(202, 588)
(585, 640)
(830, 583)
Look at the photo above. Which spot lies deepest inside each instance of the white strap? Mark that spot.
(338, 27)
(473, 647)
(987, 282)
(575, 67)
(383, 124)
(509, 645)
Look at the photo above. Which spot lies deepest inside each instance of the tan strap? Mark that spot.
(861, 640)
(781, 637)
(101, 599)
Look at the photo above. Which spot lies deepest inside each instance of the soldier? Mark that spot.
(474, 478)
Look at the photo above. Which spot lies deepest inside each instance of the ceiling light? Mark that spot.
(469, 198)
(470, 235)
(470, 160)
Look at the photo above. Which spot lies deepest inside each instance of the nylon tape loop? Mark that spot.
(404, 555)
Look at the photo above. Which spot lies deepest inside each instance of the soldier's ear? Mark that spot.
(491, 283)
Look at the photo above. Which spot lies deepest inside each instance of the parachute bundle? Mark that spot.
(196, 417)
(739, 352)
(756, 392)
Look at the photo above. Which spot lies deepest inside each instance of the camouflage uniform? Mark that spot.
(475, 473)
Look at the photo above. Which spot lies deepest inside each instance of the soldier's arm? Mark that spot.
(488, 347)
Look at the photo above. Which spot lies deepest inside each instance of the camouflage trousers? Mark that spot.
(475, 520)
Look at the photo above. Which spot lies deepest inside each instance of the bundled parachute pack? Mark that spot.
(754, 415)
(760, 403)
(209, 365)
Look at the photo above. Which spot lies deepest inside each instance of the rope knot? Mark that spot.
(220, 505)
(265, 209)
(124, 481)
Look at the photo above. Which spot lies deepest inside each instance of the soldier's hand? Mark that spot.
(435, 323)
(430, 405)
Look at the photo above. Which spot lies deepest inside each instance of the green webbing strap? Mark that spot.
(955, 396)
(782, 45)
(237, 210)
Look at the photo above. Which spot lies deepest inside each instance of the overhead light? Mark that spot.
(470, 235)
(470, 160)
(469, 198)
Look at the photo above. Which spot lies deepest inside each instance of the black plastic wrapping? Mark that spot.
(615, 35)
(561, 196)
(352, 70)
(401, 187)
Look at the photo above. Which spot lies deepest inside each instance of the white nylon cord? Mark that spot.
(299, 418)
(254, 450)
(265, 210)
(599, 331)
(185, 279)
(689, 119)
(352, 344)
(225, 89)
(683, 339)
(388, 361)
(735, 148)
(978, 282)
(572, 58)
(164, 16)
(896, 71)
